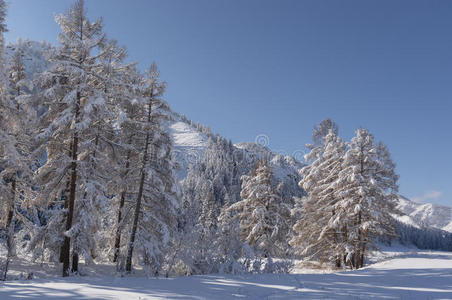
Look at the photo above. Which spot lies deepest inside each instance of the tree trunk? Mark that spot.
(135, 223)
(75, 262)
(73, 184)
(121, 205)
(338, 261)
(345, 237)
(66, 205)
(118, 228)
(136, 214)
(10, 228)
(363, 251)
(360, 243)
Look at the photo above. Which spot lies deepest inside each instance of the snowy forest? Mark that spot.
(90, 175)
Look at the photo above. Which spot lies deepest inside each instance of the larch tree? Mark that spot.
(318, 229)
(3, 29)
(10, 158)
(75, 136)
(324, 128)
(367, 189)
(130, 128)
(122, 85)
(154, 206)
(17, 72)
(263, 216)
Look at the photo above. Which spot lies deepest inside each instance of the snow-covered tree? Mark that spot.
(155, 200)
(322, 130)
(17, 72)
(3, 63)
(9, 156)
(212, 184)
(263, 217)
(367, 189)
(75, 135)
(318, 227)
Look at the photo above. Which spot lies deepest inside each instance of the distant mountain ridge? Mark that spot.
(425, 214)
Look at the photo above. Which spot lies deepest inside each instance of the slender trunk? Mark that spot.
(358, 258)
(10, 228)
(360, 243)
(135, 224)
(118, 228)
(72, 188)
(18, 94)
(359, 253)
(121, 206)
(363, 251)
(338, 261)
(345, 237)
(66, 205)
(336, 239)
(136, 214)
(75, 262)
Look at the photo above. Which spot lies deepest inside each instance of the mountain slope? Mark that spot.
(189, 144)
(425, 214)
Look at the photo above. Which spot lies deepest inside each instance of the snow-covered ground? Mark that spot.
(405, 275)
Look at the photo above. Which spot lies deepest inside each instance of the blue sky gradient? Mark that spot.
(278, 67)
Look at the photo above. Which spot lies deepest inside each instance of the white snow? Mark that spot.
(425, 214)
(185, 136)
(406, 275)
(34, 55)
(189, 144)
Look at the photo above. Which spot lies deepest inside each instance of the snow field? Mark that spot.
(407, 275)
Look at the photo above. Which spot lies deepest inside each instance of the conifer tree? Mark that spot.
(9, 157)
(153, 222)
(318, 229)
(263, 217)
(73, 127)
(3, 63)
(17, 71)
(367, 187)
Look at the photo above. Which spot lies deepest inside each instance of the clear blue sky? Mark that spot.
(278, 67)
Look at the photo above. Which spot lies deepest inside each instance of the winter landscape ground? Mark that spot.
(401, 274)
